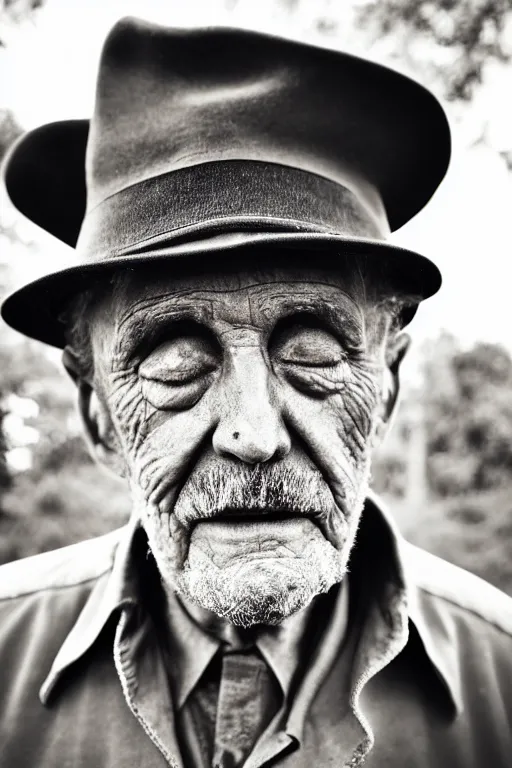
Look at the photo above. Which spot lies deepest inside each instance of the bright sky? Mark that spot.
(47, 72)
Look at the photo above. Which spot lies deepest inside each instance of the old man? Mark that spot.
(234, 327)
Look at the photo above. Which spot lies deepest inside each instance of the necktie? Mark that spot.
(249, 697)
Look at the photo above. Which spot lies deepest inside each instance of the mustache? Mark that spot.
(257, 489)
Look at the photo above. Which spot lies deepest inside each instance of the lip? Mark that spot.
(260, 516)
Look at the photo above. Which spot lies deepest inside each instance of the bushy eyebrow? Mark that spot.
(146, 319)
(342, 315)
(143, 324)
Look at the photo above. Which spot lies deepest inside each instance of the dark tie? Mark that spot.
(249, 697)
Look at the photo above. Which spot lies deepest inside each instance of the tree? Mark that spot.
(468, 35)
(9, 132)
(63, 496)
(465, 403)
(468, 395)
(13, 12)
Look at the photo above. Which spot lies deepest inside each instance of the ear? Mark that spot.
(395, 353)
(99, 431)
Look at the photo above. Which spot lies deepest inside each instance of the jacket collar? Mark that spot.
(117, 589)
(112, 591)
(437, 643)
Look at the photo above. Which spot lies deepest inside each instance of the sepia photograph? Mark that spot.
(255, 383)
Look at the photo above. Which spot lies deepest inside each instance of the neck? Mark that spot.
(236, 638)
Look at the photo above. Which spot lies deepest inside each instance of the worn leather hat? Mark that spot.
(212, 140)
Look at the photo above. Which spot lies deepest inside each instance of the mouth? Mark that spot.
(261, 517)
(226, 543)
(249, 516)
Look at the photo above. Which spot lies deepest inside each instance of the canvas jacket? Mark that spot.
(83, 683)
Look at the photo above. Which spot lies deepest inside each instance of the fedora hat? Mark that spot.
(217, 140)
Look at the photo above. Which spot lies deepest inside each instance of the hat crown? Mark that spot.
(210, 141)
(168, 99)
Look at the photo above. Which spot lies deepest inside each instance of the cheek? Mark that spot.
(158, 445)
(128, 407)
(167, 539)
(159, 454)
(172, 441)
(338, 432)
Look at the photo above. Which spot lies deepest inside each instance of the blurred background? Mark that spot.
(446, 468)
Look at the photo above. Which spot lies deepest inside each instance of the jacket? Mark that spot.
(82, 681)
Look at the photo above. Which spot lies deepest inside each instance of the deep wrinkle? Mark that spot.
(158, 316)
(209, 374)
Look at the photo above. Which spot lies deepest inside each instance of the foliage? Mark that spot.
(459, 420)
(48, 510)
(471, 31)
(63, 497)
(474, 531)
(16, 11)
(9, 130)
(469, 426)
(462, 415)
(450, 41)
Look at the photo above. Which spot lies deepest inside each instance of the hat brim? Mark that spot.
(44, 177)
(34, 309)
(404, 161)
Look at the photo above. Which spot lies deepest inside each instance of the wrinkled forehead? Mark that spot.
(248, 294)
(262, 283)
(247, 300)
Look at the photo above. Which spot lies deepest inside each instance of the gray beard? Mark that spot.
(251, 590)
(257, 591)
(254, 591)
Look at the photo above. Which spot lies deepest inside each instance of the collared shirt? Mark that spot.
(428, 681)
(196, 635)
(194, 642)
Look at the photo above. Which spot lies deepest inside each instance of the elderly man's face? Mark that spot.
(245, 409)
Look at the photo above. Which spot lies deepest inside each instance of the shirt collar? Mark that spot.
(195, 636)
(189, 646)
(117, 589)
(283, 646)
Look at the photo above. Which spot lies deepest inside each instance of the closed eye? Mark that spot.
(308, 347)
(178, 372)
(180, 360)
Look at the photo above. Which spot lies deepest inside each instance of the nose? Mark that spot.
(250, 427)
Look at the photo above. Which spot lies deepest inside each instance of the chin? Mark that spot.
(247, 590)
(261, 590)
